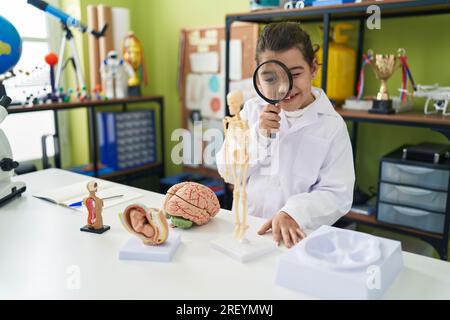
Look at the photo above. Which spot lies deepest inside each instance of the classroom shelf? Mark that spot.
(349, 11)
(436, 122)
(359, 12)
(93, 106)
(89, 103)
(371, 220)
(326, 14)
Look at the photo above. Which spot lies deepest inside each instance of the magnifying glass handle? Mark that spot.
(273, 135)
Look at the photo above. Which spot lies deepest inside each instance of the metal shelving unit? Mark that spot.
(94, 106)
(358, 12)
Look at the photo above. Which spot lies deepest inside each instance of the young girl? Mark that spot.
(311, 179)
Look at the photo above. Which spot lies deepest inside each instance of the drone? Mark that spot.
(440, 96)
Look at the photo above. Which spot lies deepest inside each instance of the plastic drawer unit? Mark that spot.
(413, 194)
(415, 175)
(409, 217)
(415, 197)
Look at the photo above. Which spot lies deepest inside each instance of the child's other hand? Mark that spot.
(269, 120)
(284, 228)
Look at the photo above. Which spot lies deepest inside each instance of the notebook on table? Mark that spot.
(75, 193)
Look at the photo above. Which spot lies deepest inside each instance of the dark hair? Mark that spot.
(282, 36)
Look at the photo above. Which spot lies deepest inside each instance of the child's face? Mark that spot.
(302, 75)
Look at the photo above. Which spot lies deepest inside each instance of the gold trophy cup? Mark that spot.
(384, 66)
(133, 53)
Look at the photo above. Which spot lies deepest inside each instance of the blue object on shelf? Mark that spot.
(264, 4)
(101, 131)
(127, 139)
(330, 2)
(10, 45)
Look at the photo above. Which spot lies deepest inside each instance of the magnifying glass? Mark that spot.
(273, 82)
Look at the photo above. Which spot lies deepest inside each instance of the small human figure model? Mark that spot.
(237, 132)
(94, 207)
(115, 73)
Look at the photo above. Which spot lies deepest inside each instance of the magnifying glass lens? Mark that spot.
(273, 81)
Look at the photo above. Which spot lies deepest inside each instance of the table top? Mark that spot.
(43, 255)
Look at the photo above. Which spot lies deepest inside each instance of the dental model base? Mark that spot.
(8, 189)
(334, 263)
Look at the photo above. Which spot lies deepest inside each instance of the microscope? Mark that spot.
(8, 189)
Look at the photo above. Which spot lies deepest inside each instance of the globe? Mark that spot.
(10, 46)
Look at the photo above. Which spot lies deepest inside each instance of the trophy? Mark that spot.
(384, 66)
(133, 54)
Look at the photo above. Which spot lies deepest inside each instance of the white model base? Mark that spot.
(334, 263)
(355, 104)
(250, 248)
(366, 105)
(134, 249)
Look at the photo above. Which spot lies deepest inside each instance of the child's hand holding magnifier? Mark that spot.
(269, 120)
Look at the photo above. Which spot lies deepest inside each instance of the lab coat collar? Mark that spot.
(321, 105)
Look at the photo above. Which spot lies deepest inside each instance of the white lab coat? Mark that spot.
(309, 172)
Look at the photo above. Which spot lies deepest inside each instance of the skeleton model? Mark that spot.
(439, 95)
(237, 146)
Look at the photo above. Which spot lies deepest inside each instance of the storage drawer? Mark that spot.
(415, 175)
(418, 219)
(409, 196)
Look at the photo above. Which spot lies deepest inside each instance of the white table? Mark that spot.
(42, 251)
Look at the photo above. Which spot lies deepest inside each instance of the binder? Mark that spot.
(101, 131)
(130, 139)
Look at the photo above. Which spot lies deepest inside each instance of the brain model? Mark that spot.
(187, 203)
(150, 225)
